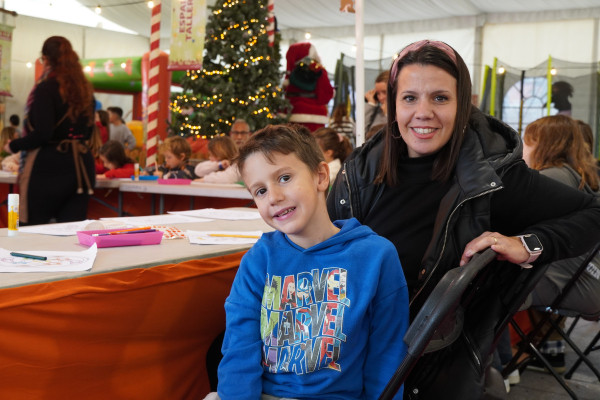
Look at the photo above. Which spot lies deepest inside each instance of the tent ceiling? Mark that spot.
(306, 14)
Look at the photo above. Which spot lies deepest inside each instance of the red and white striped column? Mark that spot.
(152, 114)
(271, 21)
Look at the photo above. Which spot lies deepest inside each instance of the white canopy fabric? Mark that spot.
(380, 16)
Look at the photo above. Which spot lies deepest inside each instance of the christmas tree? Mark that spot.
(240, 75)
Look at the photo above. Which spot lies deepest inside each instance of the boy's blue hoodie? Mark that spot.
(325, 322)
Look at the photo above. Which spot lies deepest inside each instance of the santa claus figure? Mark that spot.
(307, 86)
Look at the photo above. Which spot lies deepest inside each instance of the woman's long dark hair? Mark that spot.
(395, 147)
(74, 88)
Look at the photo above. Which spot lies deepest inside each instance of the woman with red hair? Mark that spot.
(58, 174)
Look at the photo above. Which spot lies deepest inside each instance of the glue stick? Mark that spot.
(136, 171)
(13, 214)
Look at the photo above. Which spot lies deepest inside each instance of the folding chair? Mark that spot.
(441, 303)
(590, 347)
(529, 345)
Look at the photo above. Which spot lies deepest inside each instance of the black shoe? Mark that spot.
(557, 361)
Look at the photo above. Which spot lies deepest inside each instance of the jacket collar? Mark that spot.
(488, 146)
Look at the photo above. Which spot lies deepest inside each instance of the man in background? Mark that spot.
(240, 132)
(118, 130)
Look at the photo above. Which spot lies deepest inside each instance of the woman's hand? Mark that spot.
(370, 97)
(508, 248)
(225, 163)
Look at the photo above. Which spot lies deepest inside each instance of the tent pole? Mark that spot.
(359, 72)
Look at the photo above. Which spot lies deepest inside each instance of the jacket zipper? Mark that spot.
(347, 179)
(446, 236)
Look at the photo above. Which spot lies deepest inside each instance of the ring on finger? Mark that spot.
(495, 240)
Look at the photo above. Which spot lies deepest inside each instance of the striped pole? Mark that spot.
(271, 21)
(152, 114)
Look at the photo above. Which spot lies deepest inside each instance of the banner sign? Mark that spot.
(188, 25)
(5, 58)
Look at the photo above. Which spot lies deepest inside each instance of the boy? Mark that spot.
(118, 130)
(318, 309)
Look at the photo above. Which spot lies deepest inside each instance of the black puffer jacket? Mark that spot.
(490, 153)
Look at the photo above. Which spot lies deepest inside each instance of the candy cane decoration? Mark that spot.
(152, 138)
(271, 20)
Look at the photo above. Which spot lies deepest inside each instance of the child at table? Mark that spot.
(335, 147)
(118, 165)
(176, 151)
(317, 309)
(6, 135)
(221, 150)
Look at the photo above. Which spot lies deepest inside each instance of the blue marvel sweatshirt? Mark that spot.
(325, 322)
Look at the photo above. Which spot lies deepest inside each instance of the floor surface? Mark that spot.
(539, 385)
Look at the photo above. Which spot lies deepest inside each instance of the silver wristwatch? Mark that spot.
(533, 246)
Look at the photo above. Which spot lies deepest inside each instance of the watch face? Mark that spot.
(533, 243)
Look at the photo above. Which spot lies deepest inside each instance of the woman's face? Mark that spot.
(426, 104)
(381, 92)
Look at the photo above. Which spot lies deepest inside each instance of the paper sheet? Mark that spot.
(204, 237)
(219, 214)
(68, 228)
(164, 219)
(58, 261)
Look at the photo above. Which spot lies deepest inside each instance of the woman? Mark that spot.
(555, 146)
(58, 175)
(445, 181)
(376, 107)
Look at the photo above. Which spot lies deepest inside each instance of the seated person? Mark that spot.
(118, 165)
(221, 150)
(6, 135)
(12, 162)
(314, 312)
(335, 147)
(176, 151)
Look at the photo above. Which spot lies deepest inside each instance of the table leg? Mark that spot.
(120, 203)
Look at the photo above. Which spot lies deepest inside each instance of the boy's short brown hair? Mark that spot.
(283, 139)
(178, 145)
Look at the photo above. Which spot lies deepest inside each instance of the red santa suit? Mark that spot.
(308, 99)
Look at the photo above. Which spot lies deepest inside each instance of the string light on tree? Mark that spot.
(240, 76)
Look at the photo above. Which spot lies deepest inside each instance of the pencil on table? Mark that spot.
(233, 236)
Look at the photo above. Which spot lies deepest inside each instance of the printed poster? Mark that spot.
(188, 25)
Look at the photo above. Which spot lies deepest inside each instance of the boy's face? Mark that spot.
(172, 161)
(113, 117)
(289, 196)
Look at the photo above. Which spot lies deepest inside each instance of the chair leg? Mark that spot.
(513, 364)
(575, 321)
(583, 357)
(558, 378)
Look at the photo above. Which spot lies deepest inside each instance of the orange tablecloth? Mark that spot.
(134, 334)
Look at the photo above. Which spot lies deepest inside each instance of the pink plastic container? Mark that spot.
(176, 181)
(129, 239)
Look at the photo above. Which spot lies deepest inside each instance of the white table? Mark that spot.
(199, 189)
(138, 325)
(121, 258)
